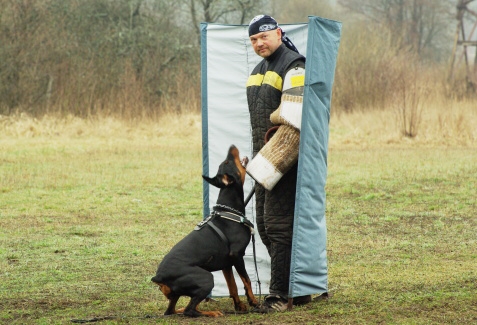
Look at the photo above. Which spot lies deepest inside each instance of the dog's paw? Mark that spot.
(240, 306)
(212, 313)
(253, 302)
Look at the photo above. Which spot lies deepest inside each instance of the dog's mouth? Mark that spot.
(241, 164)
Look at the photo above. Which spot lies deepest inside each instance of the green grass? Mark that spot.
(85, 220)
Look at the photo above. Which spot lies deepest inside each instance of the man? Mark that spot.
(280, 73)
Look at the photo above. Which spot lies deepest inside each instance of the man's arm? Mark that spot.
(280, 153)
(290, 110)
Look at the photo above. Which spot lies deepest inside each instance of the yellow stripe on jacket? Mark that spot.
(270, 78)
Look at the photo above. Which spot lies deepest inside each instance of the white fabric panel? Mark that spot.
(230, 60)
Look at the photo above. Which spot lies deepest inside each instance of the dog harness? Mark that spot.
(235, 216)
(232, 216)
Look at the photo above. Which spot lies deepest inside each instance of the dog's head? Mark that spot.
(231, 170)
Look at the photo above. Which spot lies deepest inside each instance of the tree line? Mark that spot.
(142, 57)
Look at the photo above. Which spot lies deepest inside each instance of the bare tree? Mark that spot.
(24, 44)
(80, 56)
(246, 9)
(417, 25)
(293, 11)
(221, 11)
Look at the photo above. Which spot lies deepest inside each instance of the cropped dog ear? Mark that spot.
(215, 181)
(212, 181)
(219, 181)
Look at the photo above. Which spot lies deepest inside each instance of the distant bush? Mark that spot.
(94, 56)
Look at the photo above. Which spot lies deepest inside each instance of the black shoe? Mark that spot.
(301, 300)
(272, 304)
(323, 296)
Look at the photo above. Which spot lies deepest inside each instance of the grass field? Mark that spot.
(89, 207)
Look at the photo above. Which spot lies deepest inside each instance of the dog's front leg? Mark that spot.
(239, 265)
(233, 291)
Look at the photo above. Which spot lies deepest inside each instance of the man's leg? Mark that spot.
(278, 219)
(259, 211)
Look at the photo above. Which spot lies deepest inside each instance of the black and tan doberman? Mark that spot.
(217, 243)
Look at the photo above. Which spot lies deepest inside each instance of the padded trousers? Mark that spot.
(280, 256)
(274, 217)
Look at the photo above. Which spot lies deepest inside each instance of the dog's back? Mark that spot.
(202, 248)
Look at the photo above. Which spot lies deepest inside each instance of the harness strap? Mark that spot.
(226, 241)
(233, 217)
(219, 232)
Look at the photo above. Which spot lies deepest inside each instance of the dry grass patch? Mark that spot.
(442, 124)
(25, 126)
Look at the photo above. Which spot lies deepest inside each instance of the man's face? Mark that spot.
(265, 43)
